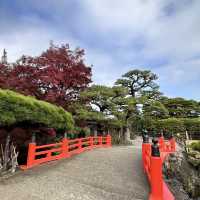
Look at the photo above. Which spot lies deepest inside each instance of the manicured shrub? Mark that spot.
(16, 108)
(173, 125)
(192, 124)
(179, 125)
(195, 146)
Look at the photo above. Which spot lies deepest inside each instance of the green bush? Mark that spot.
(149, 123)
(178, 125)
(195, 146)
(192, 124)
(16, 108)
(174, 125)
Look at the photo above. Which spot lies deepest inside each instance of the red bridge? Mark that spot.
(104, 173)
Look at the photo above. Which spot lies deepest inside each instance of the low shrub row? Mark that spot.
(195, 146)
(174, 125)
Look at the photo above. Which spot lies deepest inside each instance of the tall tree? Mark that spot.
(112, 106)
(137, 80)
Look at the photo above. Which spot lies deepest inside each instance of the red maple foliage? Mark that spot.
(57, 75)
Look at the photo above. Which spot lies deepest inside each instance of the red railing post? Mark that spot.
(65, 148)
(31, 155)
(156, 180)
(80, 145)
(108, 141)
(146, 149)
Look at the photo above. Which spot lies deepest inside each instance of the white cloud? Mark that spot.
(173, 35)
(31, 37)
(180, 74)
(105, 67)
(144, 30)
(163, 35)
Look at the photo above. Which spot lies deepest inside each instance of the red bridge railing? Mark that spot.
(153, 156)
(63, 149)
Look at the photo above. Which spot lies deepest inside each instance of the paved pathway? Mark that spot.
(101, 174)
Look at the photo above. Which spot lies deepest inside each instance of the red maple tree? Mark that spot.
(58, 75)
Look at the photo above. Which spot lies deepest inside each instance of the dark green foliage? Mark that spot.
(99, 96)
(195, 146)
(177, 125)
(192, 124)
(16, 108)
(155, 109)
(148, 123)
(107, 105)
(137, 81)
(171, 125)
(181, 108)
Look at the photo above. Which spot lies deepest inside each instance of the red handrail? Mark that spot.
(153, 168)
(63, 149)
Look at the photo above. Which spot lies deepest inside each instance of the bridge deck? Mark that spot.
(101, 174)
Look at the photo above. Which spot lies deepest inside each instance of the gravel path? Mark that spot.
(101, 174)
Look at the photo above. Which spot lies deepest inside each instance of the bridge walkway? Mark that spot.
(101, 174)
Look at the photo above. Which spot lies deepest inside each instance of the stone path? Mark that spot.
(101, 174)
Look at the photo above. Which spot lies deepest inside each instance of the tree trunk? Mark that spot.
(95, 132)
(33, 138)
(6, 152)
(121, 132)
(127, 135)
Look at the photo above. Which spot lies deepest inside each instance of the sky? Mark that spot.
(118, 35)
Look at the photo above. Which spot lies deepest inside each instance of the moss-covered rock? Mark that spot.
(195, 146)
(194, 159)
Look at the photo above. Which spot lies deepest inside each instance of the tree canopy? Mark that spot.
(181, 108)
(137, 80)
(99, 96)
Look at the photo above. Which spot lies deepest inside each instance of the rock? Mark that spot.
(184, 169)
(194, 161)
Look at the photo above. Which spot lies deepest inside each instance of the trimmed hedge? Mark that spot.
(195, 146)
(16, 108)
(192, 124)
(178, 125)
(173, 125)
